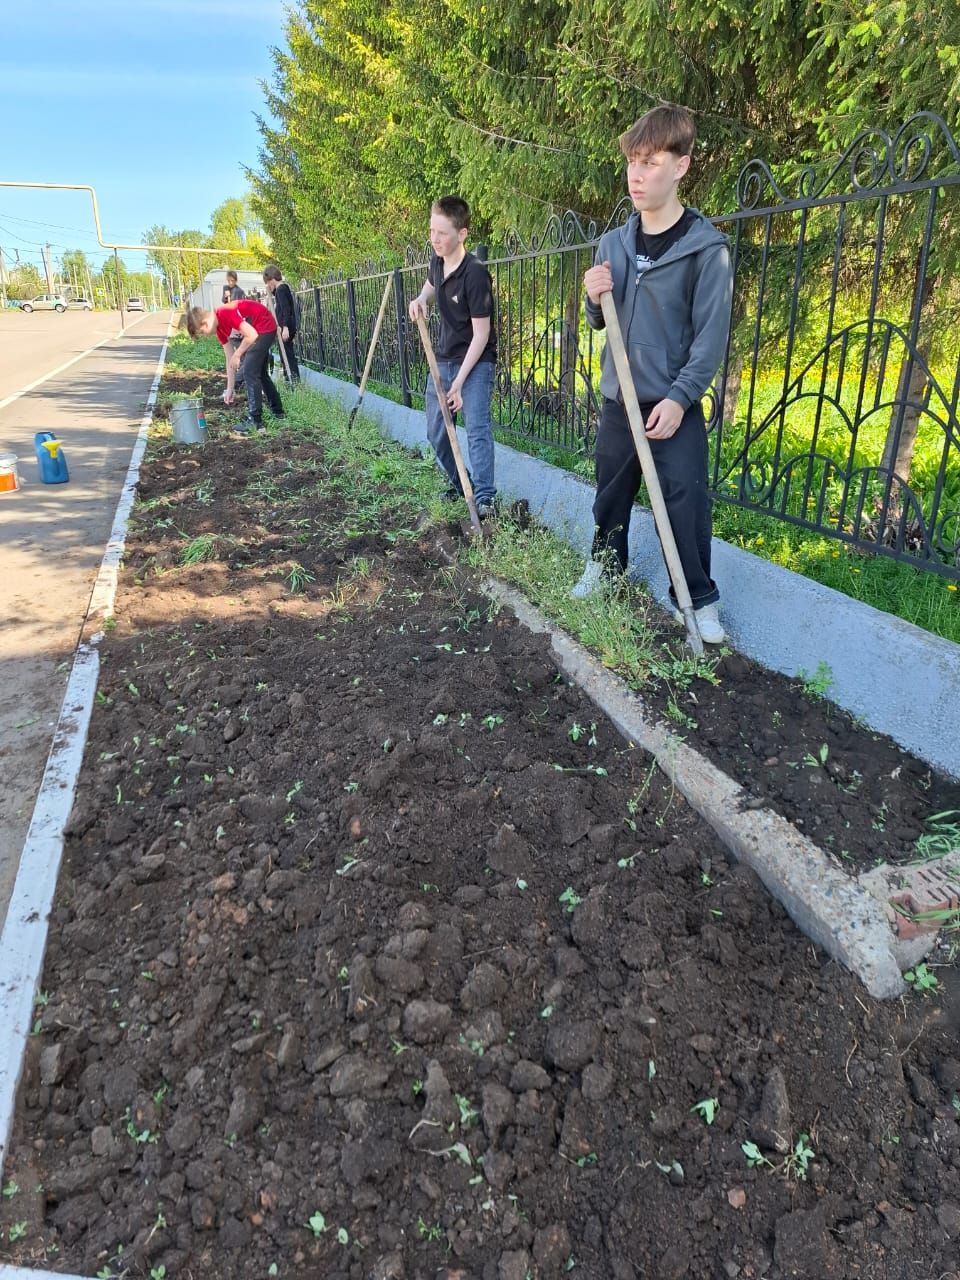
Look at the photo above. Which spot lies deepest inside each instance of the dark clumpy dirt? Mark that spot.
(365, 962)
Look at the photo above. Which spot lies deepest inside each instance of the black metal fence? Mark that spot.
(836, 406)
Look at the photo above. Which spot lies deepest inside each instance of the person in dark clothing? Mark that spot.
(258, 330)
(233, 293)
(669, 272)
(462, 288)
(286, 309)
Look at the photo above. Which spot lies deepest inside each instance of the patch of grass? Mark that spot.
(185, 353)
(199, 549)
(620, 627)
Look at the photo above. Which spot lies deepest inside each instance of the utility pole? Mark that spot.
(47, 267)
(116, 265)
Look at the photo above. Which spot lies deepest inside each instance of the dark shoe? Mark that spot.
(452, 494)
(246, 428)
(486, 509)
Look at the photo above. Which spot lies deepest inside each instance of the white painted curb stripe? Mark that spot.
(22, 1273)
(105, 588)
(24, 937)
(31, 386)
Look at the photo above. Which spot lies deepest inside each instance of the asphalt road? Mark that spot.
(52, 537)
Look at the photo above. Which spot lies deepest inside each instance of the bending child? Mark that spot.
(257, 332)
(466, 350)
(670, 274)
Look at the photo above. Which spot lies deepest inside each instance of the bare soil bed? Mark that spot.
(378, 953)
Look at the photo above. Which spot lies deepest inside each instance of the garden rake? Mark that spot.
(373, 346)
(649, 469)
(448, 422)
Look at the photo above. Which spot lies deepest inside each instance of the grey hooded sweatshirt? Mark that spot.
(675, 319)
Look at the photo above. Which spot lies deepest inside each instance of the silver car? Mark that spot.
(45, 302)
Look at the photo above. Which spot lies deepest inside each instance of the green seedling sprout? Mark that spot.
(706, 1109)
(754, 1156)
(798, 1161)
(317, 1223)
(922, 980)
(570, 899)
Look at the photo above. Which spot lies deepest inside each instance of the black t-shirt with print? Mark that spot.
(650, 247)
(462, 297)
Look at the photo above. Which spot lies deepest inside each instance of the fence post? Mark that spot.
(481, 253)
(321, 351)
(352, 318)
(402, 336)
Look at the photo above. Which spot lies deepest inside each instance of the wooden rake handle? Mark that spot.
(649, 469)
(283, 350)
(448, 420)
(368, 364)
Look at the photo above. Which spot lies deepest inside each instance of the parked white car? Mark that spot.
(45, 302)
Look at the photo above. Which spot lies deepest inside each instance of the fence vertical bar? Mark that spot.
(320, 347)
(352, 321)
(398, 299)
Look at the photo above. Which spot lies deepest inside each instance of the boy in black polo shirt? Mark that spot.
(467, 349)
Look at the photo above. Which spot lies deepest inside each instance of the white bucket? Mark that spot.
(9, 475)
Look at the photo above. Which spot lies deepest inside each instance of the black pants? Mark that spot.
(288, 347)
(253, 367)
(681, 464)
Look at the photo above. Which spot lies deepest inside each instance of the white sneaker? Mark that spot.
(708, 623)
(590, 583)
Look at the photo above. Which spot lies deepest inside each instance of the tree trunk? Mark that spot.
(731, 388)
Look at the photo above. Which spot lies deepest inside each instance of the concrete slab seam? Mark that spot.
(828, 906)
(24, 937)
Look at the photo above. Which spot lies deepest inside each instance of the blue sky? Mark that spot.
(151, 102)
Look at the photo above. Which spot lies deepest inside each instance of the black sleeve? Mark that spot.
(432, 276)
(284, 302)
(479, 291)
(236, 293)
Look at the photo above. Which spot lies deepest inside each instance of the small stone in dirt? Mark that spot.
(184, 1133)
(736, 1197)
(597, 1082)
(234, 1234)
(551, 1249)
(356, 1074)
(485, 986)
(245, 1112)
(514, 1265)
(52, 1064)
(399, 975)
(290, 1050)
(426, 1020)
(120, 1088)
(804, 1247)
(363, 988)
(498, 1169)
(389, 1267)
(414, 915)
(509, 853)
(770, 1128)
(528, 1075)
(497, 1110)
(101, 1140)
(571, 1045)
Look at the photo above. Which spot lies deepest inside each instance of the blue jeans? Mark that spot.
(477, 395)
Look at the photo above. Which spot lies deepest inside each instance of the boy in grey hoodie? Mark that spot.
(670, 274)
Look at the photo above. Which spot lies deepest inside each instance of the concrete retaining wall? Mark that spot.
(897, 678)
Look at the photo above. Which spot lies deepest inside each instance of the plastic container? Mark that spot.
(9, 475)
(52, 463)
(187, 421)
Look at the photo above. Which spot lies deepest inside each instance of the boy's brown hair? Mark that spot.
(271, 272)
(662, 129)
(454, 208)
(194, 319)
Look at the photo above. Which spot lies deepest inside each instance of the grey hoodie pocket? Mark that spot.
(651, 370)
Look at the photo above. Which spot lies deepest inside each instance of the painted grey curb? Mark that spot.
(28, 1273)
(897, 678)
(828, 906)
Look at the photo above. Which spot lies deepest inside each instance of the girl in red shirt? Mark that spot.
(258, 330)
